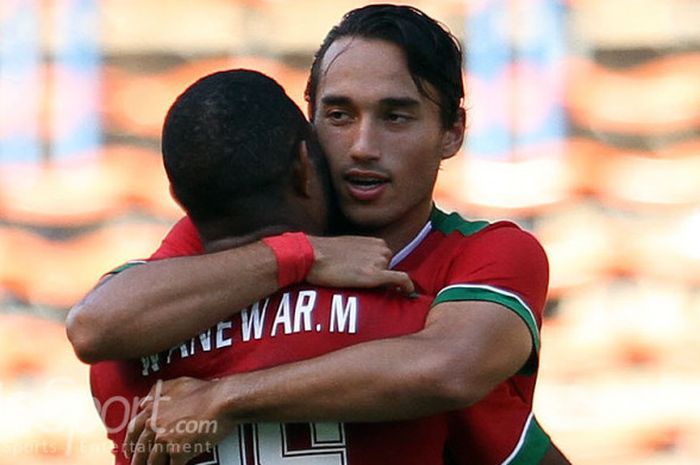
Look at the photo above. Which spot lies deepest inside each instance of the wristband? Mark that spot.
(294, 254)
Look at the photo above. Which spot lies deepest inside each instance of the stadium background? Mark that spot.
(584, 123)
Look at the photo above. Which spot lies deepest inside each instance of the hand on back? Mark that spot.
(355, 261)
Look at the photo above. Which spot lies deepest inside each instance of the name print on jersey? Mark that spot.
(292, 312)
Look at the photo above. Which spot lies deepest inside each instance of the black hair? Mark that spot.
(232, 135)
(433, 54)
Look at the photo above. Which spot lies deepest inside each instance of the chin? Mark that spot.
(368, 217)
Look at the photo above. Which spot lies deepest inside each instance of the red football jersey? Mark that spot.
(452, 259)
(457, 260)
(295, 324)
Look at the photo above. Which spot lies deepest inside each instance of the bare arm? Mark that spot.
(465, 350)
(151, 307)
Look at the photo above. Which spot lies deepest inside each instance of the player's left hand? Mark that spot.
(179, 420)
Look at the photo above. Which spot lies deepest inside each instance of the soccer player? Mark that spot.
(242, 161)
(385, 96)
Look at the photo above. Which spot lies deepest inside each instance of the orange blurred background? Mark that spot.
(584, 121)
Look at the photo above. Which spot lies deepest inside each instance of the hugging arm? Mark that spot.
(452, 363)
(465, 349)
(151, 307)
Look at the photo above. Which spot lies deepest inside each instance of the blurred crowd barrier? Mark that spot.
(584, 122)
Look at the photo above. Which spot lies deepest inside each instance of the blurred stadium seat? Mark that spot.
(657, 97)
(47, 414)
(86, 191)
(55, 195)
(57, 273)
(664, 178)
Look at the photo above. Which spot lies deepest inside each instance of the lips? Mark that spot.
(365, 185)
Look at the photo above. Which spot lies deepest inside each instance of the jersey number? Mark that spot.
(281, 444)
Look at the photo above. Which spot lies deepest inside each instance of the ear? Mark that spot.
(453, 137)
(303, 171)
(309, 111)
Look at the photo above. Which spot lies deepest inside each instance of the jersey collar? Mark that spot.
(416, 241)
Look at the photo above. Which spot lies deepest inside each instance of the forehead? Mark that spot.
(365, 69)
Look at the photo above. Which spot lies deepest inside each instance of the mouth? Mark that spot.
(365, 185)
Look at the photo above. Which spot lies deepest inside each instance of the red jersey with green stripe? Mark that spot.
(450, 260)
(458, 260)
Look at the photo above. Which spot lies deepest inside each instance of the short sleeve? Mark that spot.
(182, 240)
(505, 265)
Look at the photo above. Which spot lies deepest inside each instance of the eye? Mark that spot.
(338, 116)
(398, 117)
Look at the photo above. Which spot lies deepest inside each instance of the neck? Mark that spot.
(230, 242)
(251, 225)
(399, 234)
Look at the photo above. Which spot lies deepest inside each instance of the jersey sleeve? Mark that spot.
(505, 265)
(182, 240)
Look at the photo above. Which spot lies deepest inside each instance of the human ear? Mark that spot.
(453, 136)
(303, 171)
(309, 110)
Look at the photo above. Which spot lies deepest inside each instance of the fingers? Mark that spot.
(133, 432)
(354, 261)
(143, 447)
(158, 456)
(149, 440)
(179, 460)
(400, 281)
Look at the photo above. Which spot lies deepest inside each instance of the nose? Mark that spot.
(365, 143)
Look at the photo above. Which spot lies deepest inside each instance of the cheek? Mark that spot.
(334, 155)
(333, 145)
(420, 160)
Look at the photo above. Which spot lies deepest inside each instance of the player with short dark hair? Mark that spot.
(231, 155)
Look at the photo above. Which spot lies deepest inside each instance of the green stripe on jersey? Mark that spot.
(531, 447)
(125, 266)
(448, 224)
(462, 292)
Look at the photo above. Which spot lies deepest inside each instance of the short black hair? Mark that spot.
(433, 54)
(229, 136)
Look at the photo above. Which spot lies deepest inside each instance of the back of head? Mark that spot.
(433, 54)
(230, 136)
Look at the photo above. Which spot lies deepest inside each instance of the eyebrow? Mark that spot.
(392, 102)
(399, 102)
(335, 100)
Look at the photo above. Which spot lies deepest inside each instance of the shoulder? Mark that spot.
(182, 240)
(484, 237)
(499, 255)
(453, 223)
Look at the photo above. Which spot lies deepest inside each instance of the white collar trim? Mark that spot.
(411, 246)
